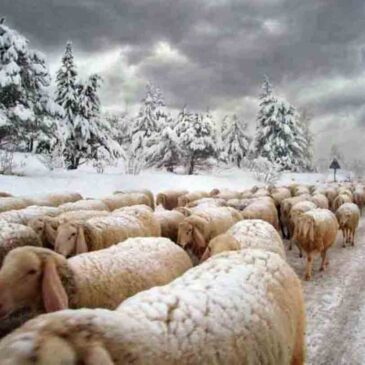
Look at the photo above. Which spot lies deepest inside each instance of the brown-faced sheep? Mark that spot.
(348, 217)
(247, 234)
(196, 231)
(316, 231)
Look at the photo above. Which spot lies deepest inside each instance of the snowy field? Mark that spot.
(34, 178)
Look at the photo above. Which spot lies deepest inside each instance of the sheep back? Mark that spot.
(107, 277)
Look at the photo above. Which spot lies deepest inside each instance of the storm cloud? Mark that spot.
(212, 54)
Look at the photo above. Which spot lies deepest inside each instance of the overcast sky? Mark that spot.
(213, 53)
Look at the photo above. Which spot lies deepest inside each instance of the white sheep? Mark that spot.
(104, 231)
(348, 217)
(247, 234)
(169, 221)
(169, 199)
(42, 280)
(236, 308)
(14, 235)
(84, 204)
(23, 216)
(315, 231)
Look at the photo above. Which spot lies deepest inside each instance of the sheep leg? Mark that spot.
(324, 262)
(344, 238)
(353, 238)
(308, 273)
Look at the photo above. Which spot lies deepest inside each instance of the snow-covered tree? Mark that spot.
(305, 122)
(197, 139)
(279, 136)
(26, 108)
(145, 131)
(235, 140)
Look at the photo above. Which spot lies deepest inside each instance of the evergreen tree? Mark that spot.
(197, 139)
(305, 121)
(145, 131)
(279, 136)
(25, 103)
(236, 143)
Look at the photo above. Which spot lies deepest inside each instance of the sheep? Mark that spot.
(359, 197)
(102, 279)
(187, 322)
(247, 234)
(101, 232)
(54, 199)
(14, 235)
(285, 208)
(340, 200)
(239, 204)
(301, 190)
(184, 200)
(227, 194)
(348, 217)
(264, 211)
(197, 230)
(331, 194)
(5, 195)
(343, 190)
(134, 209)
(13, 203)
(316, 231)
(169, 199)
(320, 200)
(208, 202)
(23, 216)
(296, 211)
(127, 199)
(145, 192)
(84, 204)
(169, 221)
(46, 227)
(279, 194)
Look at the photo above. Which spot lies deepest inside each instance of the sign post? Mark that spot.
(335, 166)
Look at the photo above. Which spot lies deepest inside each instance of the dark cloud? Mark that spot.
(225, 46)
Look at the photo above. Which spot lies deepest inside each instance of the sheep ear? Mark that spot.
(96, 355)
(199, 238)
(81, 246)
(50, 233)
(206, 255)
(53, 292)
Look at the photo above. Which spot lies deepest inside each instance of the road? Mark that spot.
(335, 304)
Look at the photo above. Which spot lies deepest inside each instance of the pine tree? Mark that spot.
(145, 131)
(27, 108)
(279, 136)
(305, 121)
(236, 142)
(197, 139)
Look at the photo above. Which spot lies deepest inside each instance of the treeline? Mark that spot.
(69, 129)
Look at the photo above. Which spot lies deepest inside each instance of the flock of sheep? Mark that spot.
(201, 279)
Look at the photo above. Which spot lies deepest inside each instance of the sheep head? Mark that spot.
(182, 201)
(161, 199)
(70, 240)
(29, 277)
(222, 243)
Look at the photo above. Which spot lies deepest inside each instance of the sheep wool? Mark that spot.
(23, 216)
(236, 308)
(14, 235)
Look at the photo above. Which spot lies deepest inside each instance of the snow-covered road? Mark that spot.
(335, 304)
